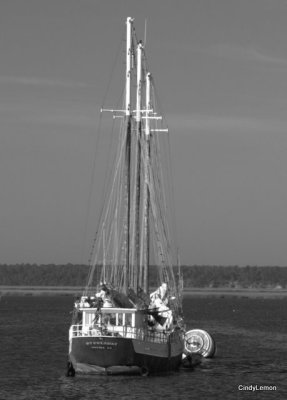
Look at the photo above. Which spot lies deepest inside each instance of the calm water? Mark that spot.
(251, 336)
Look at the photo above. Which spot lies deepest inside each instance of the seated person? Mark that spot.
(104, 294)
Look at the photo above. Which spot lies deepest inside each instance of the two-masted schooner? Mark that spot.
(129, 319)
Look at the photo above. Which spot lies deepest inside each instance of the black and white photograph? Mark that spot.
(143, 199)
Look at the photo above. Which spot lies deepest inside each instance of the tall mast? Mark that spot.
(146, 195)
(128, 144)
(139, 81)
(137, 157)
(128, 66)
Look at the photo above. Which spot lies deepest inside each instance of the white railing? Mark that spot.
(122, 331)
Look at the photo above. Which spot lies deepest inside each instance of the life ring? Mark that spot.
(200, 342)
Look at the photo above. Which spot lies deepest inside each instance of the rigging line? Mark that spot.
(158, 176)
(116, 240)
(105, 189)
(157, 99)
(111, 231)
(145, 179)
(120, 49)
(114, 208)
(172, 192)
(162, 227)
(155, 219)
(164, 207)
(170, 183)
(169, 165)
(161, 201)
(115, 171)
(104, 192)
(91, 271)
(165, 183)
(163, 247)
(106, 178)
(98, 132)
(97, 142)
(118, 191)
(171, 197)
(120, 206)
(101, 220)
(164, 220)
(114, 180)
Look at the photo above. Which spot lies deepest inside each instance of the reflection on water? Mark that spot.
(250, 334)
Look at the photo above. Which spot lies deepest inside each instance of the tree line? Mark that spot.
(196, 276)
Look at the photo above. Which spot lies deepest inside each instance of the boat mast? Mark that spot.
(146, 194)
(128, 144)
(136, 217)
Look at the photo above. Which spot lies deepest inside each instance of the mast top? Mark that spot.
(128, 66)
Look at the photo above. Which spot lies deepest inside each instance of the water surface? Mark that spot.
(251, 337)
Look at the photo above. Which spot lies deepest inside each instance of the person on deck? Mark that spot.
(159, 302)
(104, 294)
(160, 293)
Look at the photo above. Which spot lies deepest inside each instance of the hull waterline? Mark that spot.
(115, 355)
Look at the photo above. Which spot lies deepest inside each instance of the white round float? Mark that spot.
(198, 341)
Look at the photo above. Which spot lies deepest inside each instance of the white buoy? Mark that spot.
(198, 341)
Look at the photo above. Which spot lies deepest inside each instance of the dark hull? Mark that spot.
(116, 355)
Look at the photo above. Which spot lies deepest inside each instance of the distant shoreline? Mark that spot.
(197, 292)
(222, 292)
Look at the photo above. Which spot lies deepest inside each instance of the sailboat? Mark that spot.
(129, 318)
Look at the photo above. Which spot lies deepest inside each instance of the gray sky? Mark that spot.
(221, 73)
